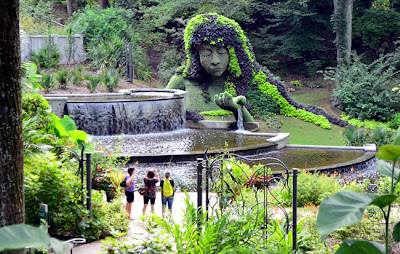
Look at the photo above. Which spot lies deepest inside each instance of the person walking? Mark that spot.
(150, 181)
(167, 192)
(129, 191)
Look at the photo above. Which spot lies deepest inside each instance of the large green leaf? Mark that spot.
(60, 130)
(384, 200)
(20, 236)
(386, 169)
(389, 152)
(360, 247)
(396, 232)
(78, 135)
(68, 123)
(342, 209)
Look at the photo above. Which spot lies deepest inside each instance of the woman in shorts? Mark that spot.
(150, 181)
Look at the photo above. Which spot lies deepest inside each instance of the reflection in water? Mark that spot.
(303, 158)
(181, 141)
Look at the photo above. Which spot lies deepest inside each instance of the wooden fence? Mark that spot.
(33, 43)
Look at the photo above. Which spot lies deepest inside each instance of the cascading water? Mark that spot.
(133, 115)
(240, 118)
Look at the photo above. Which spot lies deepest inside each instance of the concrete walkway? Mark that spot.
(137, 229)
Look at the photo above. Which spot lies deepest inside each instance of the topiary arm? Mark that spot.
(228, 102)
(176, 82)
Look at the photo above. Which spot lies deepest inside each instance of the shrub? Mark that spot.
(56, 184)
(48, 56)
(111, 79)
(364, 91)
(102, 24)
(312, 188)
(94, 81)
(77, 75)
(108, 54)
(355, 136)
(29, 77)
(394, 123)
(169, 63)
(62, 77)
(47, 82)
(358, 137)
(35, 106)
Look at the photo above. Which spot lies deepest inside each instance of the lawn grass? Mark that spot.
(304, 133)
(317, 97)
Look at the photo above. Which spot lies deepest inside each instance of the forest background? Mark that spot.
(288, 37)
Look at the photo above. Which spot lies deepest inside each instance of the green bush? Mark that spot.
(56, 184)
(358, 137)
(394, 123)
(94, 82)
(111, 79)
(108, 32)
(47, 82)
(169, 63)
(377, 28)
(313, 188)
(48, 56)
(62, 78)
(285, 108)
(103, 24)
(364, 91)
(35, 106)
(77, 75)
(108, 54)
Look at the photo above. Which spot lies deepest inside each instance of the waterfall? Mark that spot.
(132, 117)
(240, 118)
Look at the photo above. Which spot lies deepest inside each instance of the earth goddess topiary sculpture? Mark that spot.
(221, 71)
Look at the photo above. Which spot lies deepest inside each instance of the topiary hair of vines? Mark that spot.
(243, 70)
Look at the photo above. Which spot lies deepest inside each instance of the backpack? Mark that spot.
(167, 188)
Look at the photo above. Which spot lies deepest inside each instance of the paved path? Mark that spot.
(137, 230)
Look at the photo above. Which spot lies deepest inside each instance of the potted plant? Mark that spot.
(102, 181)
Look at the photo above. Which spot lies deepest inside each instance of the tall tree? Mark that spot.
(104, 4)
(343, 16)
(11, 150)
(70, 8)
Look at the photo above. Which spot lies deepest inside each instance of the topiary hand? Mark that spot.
(228, 102)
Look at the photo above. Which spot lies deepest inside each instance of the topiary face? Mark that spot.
(213, 59)
(216, 30)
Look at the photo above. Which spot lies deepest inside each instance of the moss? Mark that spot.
(234, 66)
(230, 88)
(221, 112)
(285, 108)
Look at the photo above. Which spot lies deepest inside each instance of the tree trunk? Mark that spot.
(104, 4)
(11, 150)
(343, 15)
(70, 8)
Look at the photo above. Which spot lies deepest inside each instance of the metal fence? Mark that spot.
(225, 182)
(71, 52)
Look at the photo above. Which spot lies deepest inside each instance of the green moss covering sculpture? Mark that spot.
(221, 70)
